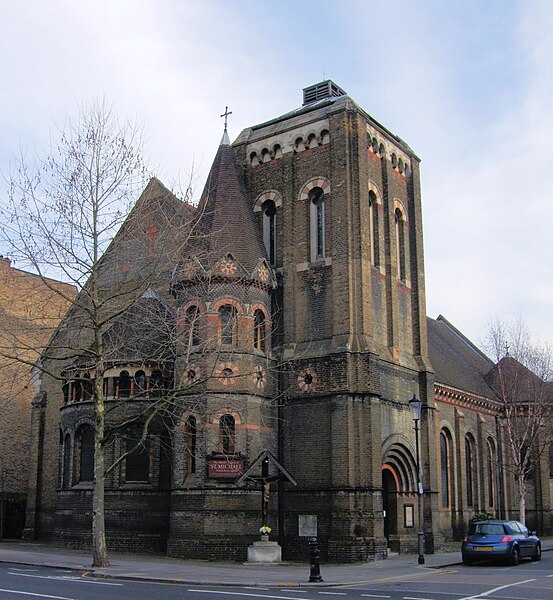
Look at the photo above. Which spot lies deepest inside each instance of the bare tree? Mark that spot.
(60, 220)
(74, 216)
(521, 379)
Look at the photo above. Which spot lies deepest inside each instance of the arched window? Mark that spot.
(259, 330)
(85, 439)
(374, 229)
(551, 460)
(445, 468)
(191, 432)
(192, 326)
(66, 389)
(269, 229)
(491, 466)
(317, 202)
(227, 433)
(227, 323)
(156, 384)
(400, 245)
(139, 383)
(124, 384)
(137, 464)
(66, 462)
(87, 385)
(470, 469)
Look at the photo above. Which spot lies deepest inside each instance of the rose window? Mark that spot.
(307, 380)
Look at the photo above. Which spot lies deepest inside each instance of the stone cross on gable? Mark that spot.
(226, 114)
(151, 234)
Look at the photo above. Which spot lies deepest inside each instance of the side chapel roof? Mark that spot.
(456, 360)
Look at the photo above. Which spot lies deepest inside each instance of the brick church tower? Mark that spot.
(337, 197)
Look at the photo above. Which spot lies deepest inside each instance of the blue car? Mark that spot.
(506, 540)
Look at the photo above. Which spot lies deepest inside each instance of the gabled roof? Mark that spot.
(456, 360)
(228, 224)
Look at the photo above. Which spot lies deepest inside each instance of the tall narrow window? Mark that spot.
(137, 464)
(192, 326)
(269, 229)
(316, 197)
(491, 475)
(259, 330)
(66, 463)
(86, 454)
(87, 384)
(227, 316)
(227, 433)
(400, 245)
(444, 469)
(374, 229)
(124, 384)
(139, 383)
(469, 463)
(156, 384)
(190, 444)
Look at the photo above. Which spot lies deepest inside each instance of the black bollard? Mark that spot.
(314, 561)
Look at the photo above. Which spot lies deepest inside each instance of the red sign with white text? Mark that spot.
(222, 468)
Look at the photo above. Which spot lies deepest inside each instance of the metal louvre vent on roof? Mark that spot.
(325, 89)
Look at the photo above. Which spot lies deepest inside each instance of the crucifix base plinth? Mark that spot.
(264, 552)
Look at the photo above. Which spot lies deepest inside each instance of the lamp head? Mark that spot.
(415, 405)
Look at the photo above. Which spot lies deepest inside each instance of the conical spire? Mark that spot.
(227, 216)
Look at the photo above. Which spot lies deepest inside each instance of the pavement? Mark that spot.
(142, 567)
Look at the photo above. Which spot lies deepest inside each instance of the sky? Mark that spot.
(468, 85)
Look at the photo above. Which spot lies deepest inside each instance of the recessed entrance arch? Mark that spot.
(398, 492)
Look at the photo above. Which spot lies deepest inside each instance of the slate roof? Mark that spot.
(456, 360)
(227, 220)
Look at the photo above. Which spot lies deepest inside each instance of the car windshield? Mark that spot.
(487, 529)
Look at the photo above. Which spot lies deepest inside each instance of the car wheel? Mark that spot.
(515, 557)
(467, 561)
(537, 553)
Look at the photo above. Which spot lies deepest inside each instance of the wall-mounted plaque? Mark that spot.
(408, 515)
(225, 468)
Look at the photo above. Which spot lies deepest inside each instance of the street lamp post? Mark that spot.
(415, 404)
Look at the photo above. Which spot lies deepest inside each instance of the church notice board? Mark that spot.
(225, 468)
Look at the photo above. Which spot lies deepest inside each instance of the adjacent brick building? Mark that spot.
(300, 328)
(30, 310)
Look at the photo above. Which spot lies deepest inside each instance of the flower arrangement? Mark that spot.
(265, 530)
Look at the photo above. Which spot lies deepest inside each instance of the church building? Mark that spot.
(301, 336)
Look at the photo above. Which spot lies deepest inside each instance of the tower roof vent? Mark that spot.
(325, 89)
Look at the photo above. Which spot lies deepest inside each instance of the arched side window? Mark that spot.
(156, 384)
(227, 324)
(191, 437)
(137, 464)
(139, 383)
(317, 212)
(401, 252)
(66, 462)
(259, 330)
(470, 469)
(192, 326)
(491, 466)
(87, 385)
(269, 229)
(445, 468)
(124, 387)
(85, 441)
(66, 388)
(374, 227)
(227, 433)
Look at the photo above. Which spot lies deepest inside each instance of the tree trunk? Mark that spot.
(99, 546)
(522, 500)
